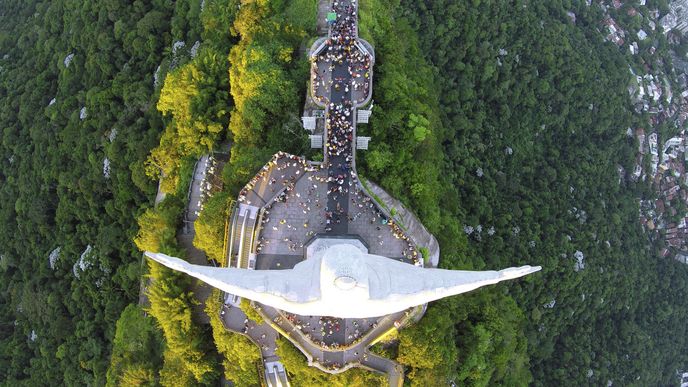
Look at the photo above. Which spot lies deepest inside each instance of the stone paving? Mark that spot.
(321, 80)
(300, 200)
(360, 82)
(280, 173)
(330, 331)
(263, 335)
(289, 223)
(329, 358)
(369, 223)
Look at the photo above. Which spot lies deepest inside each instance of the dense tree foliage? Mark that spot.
(195, 97)
(405, 156)
(78, 118)
(455, 340)
(537, 110)
(158, 226)
(302, 375)
(136, 350)
(250, 311)
(210, 227)
(78, 84)
(188, 358)
(241, 357)
(268, 78)
(195, 100)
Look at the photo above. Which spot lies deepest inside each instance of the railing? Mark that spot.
(241, 240)
(378, 203)
(229, 212)
(235, 215)
(247, 245)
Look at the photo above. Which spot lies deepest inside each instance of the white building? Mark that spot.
(652, 141)
(677, 18)
(634, 48)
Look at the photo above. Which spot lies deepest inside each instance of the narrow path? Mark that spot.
(340, 115)
(394, 371)
(334, 359)
(185, 237)
(321, 24)
(263, 335)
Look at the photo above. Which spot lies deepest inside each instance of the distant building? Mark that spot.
(616, 33)
(684, 379)
(572, 16)
(677, 18)
(654, 91)
(674, 142)
(652, 141)
(634, 48)
(659, 206)
(640, 133)
(637, 172)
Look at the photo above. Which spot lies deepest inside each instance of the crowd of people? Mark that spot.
(323, 334)
(300, 199)
(307, 197)
(291, 167)
(342, 48)
(340, 130)
(359, 69)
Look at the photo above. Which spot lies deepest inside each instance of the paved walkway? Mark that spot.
(185, 237)
(263, 335)
(194, 196)
(289, 223)
(338, 166)
(412, 226)
(333, 358)
(330, 330)
(300, 200)
(323, 9)
(394, 371)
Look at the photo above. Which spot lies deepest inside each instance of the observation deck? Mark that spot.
(292, 203)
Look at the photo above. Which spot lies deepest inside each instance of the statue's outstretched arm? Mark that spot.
(266, 286)
(427, 285)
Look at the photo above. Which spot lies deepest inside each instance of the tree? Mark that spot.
(137, 350)
(210, 227)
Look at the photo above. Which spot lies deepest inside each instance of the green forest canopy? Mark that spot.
(500, 124)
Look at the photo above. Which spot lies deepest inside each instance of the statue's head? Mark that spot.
(344, 273)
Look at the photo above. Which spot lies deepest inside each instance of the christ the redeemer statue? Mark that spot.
(343, 282)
